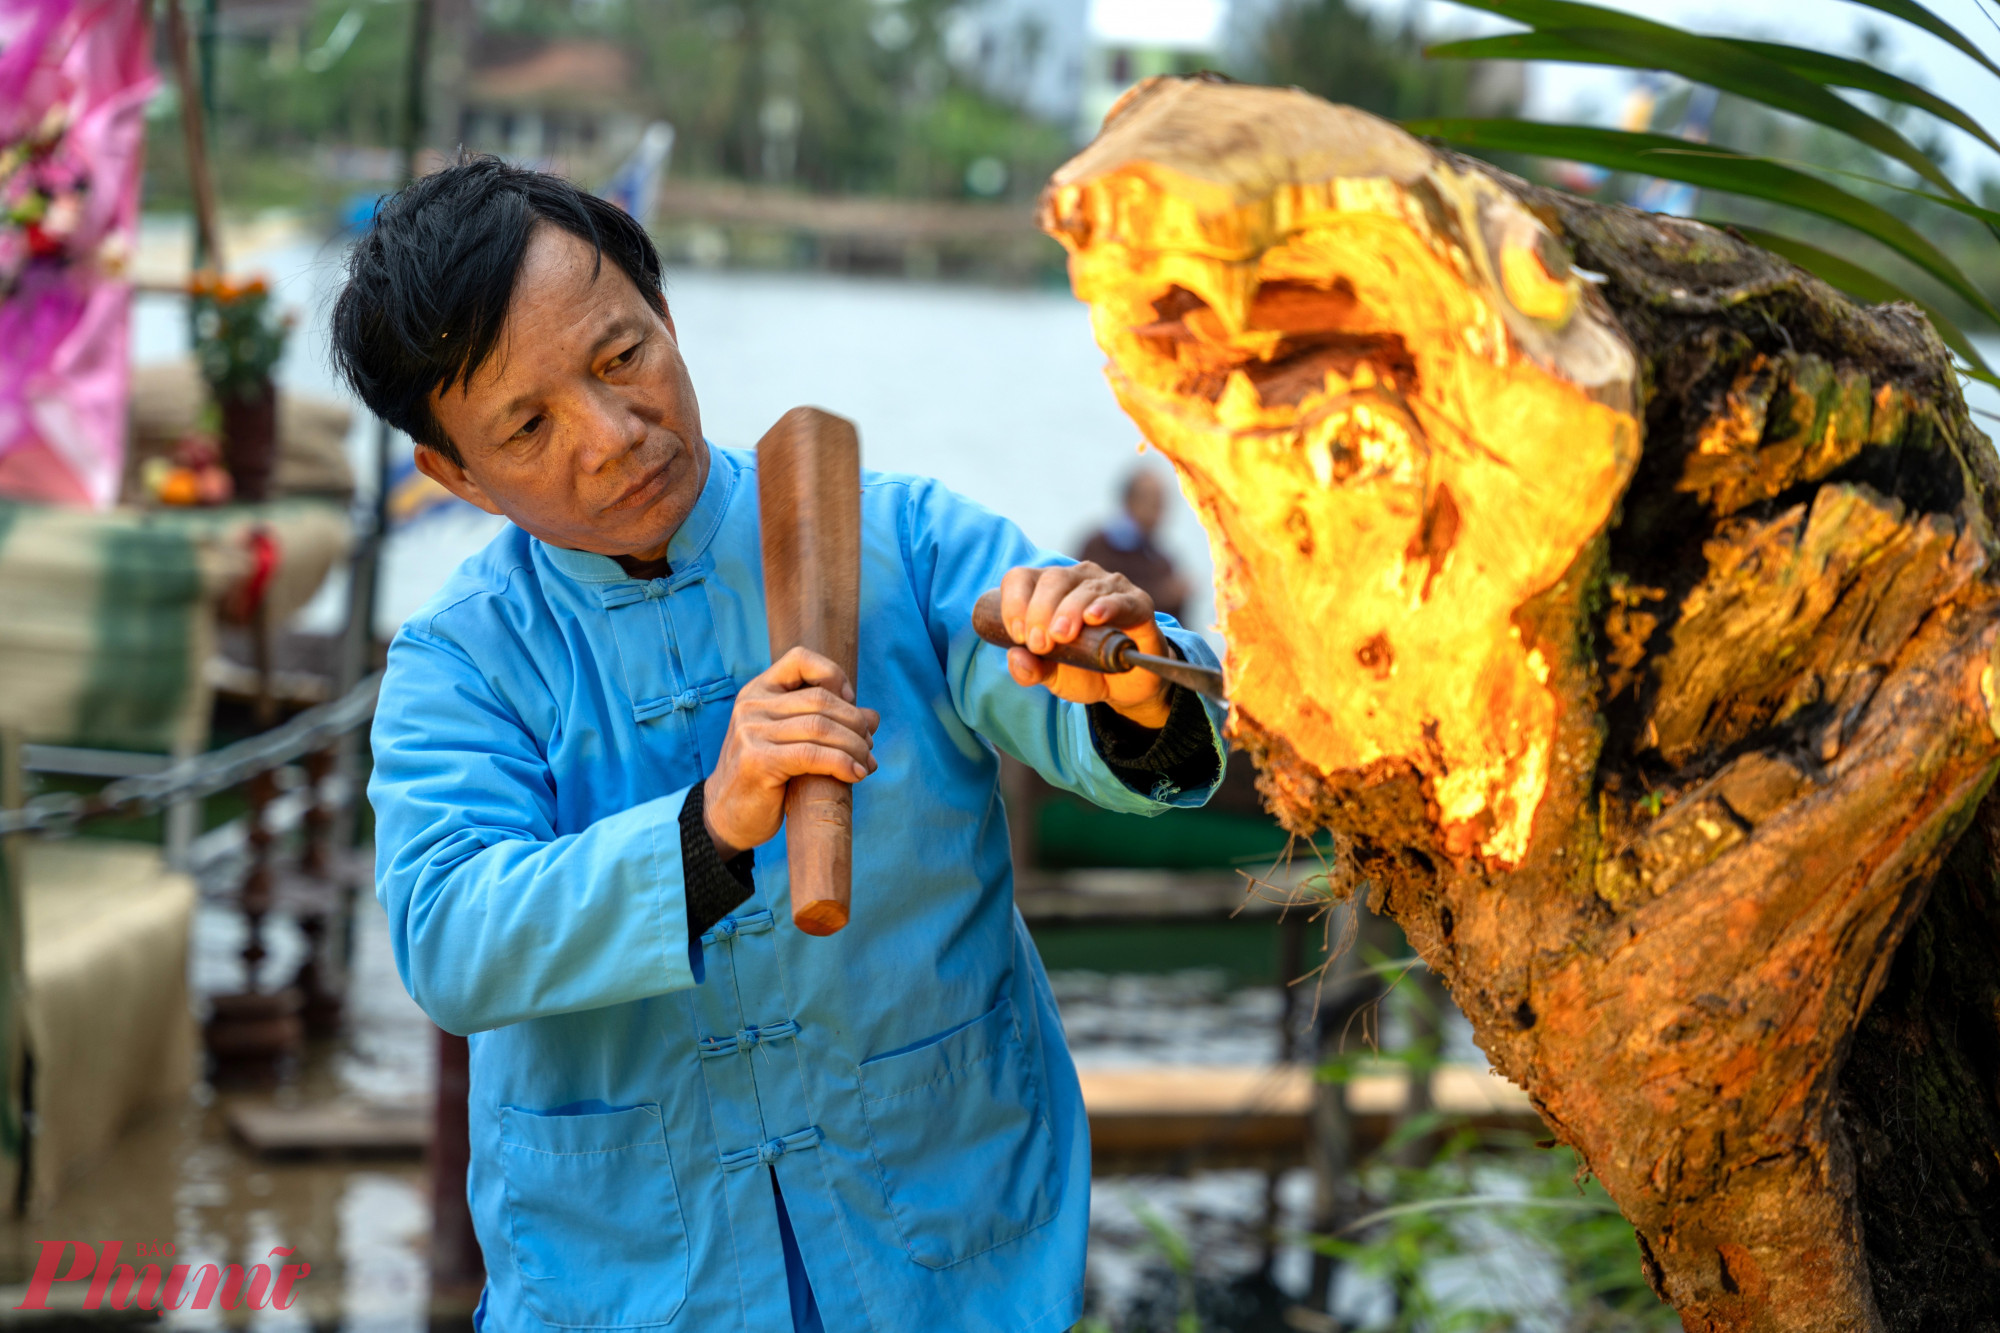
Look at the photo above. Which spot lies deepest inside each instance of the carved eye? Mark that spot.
(1536, 277)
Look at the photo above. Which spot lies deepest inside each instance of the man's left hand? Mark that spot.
(1042, 607)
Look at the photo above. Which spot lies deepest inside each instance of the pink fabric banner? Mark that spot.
(74, 79)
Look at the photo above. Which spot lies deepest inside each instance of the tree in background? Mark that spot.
(283, 92)
(838, 96)
(1345, 54)
(846, 96)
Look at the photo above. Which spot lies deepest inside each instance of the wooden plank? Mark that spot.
(718, 202)
(1177, 1118)
(1158, 1115)
(1077, 897)
(332, 1129)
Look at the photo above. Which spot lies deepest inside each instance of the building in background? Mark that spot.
(1030, 53)
(1129, 40)
(1067, 61)
(561, 104)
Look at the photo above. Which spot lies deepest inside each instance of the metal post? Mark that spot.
(250, 1033)
(207, 238)
(364, 575)
(1349, 992)
(457, 1268)
(182, 818)
(322, 977)
(1291, 969)
(205, 39)
(416, 77)
(13, 979)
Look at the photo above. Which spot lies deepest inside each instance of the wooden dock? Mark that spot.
(332, 1129)
(1094, 897)
(1183, 1117)
(1148, 1118)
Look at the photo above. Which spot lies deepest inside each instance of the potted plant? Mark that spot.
(238, 339)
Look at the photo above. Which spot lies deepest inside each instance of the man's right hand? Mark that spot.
(796, 717)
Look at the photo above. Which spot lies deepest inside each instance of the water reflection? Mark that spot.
(179, 1176)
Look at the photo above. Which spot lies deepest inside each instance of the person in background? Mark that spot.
(1125, 545)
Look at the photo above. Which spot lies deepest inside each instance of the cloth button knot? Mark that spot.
(770, 1152)
(686, 699)
(725, 928)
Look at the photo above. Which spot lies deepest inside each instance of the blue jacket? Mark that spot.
(540, 724)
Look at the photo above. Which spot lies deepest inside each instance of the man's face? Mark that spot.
(582, 427)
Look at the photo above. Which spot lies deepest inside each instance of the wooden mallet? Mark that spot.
(809, 502)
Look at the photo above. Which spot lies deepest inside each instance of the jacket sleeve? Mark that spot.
(492, 916)
(957, 550)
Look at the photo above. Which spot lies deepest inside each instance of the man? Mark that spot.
(1125, 545)
(684, 1112)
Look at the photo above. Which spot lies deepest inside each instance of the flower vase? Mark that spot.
(250, 439)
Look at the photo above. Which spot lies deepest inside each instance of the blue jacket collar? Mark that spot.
(686, 546)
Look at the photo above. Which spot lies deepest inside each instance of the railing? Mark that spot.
(201, 775)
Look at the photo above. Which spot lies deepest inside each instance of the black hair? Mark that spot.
(428, 285)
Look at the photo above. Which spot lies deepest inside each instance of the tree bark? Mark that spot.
(1619, 594)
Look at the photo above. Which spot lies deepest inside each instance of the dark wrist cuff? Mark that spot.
(1180, 756)
(715, 887)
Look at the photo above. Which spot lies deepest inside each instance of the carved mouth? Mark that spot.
(1297, 339)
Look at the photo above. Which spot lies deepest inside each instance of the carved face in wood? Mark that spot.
(1398, 410)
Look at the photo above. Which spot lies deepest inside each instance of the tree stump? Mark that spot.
(1619, 595)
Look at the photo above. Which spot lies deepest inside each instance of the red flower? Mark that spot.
(41, 245)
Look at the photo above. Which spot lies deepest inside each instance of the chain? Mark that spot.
(202, 775)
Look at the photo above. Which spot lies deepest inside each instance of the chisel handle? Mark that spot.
(1095, 647)
(809, 502)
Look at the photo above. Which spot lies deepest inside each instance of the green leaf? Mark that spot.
(1588, 34)
(1496, 1202)
(1913, 13)
(1841, 72)
(1830, 70)
(1987, 215)
(1712, 168)
(1865, 284)
(1567, 14)
(1408, 1130)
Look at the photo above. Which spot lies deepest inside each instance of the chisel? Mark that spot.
(1099, 648)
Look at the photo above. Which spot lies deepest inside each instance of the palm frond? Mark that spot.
(1830, 70)
(1978, 212)
(1710, 167)
(1917, 16)
(1779, 77)
(1591, 34)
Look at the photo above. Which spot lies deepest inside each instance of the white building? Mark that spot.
(1129, 40)
(1067, 61)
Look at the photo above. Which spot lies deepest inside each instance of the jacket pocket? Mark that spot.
(961, 1140)
(593, 1216)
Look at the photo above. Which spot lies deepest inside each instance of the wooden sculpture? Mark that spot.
(1619, 595)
